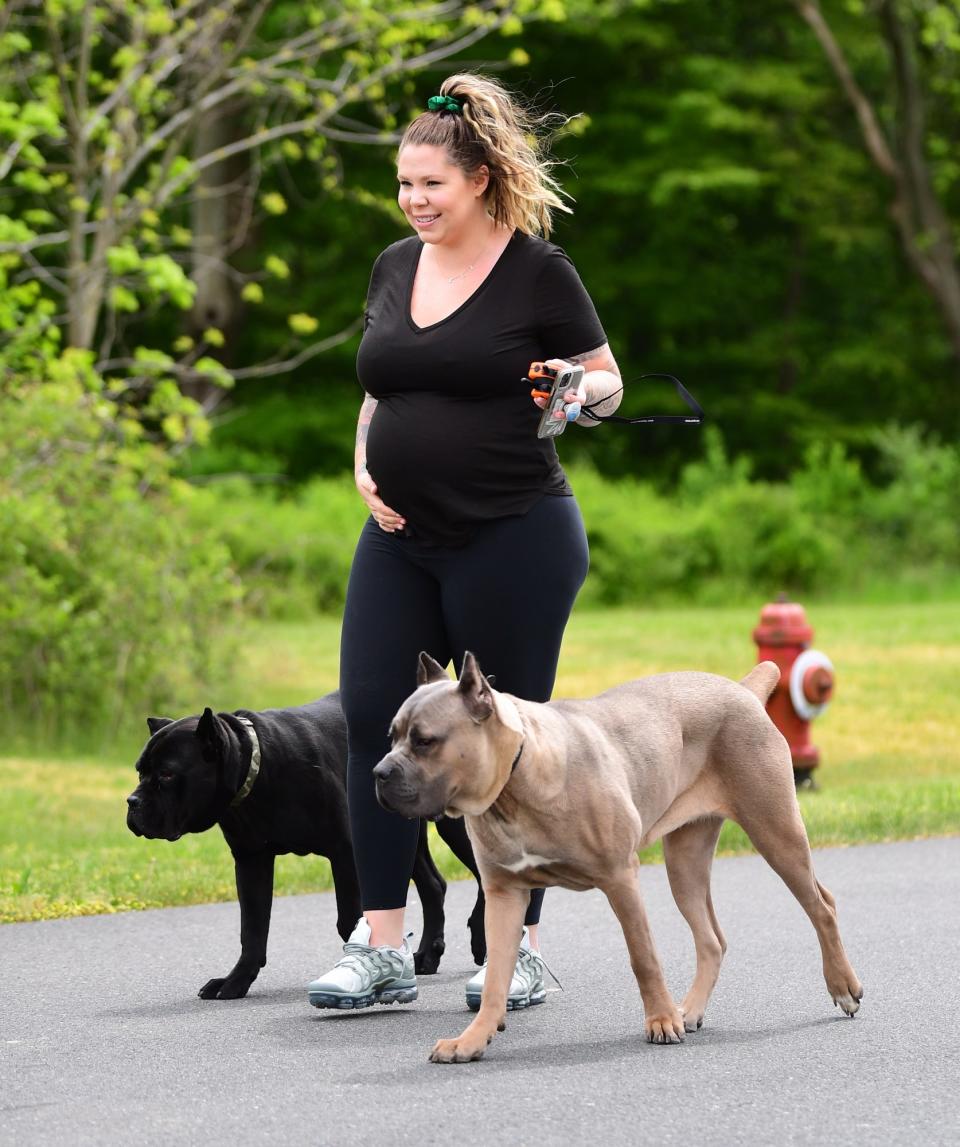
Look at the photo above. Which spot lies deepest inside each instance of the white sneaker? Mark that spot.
(365, 976)
(526, 987)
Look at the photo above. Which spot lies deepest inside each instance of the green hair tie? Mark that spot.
(445, 104)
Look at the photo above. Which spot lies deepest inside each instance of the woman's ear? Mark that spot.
(481, 179)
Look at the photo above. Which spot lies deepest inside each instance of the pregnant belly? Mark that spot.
(427, 447)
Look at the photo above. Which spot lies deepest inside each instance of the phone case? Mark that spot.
(567, 379)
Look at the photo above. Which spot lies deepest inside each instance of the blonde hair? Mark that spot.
(494, 129)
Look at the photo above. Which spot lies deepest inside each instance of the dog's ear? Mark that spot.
(155, 723)
(474, 688)
(210, 735)
(429, 670)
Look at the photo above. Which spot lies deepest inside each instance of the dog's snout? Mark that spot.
(386, 769)
(133, 801)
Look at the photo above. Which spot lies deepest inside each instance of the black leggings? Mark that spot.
(506, 596)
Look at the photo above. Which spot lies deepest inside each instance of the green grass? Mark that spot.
(890, 766)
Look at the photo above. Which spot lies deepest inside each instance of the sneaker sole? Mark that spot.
(347, 1003)
(514, 1005)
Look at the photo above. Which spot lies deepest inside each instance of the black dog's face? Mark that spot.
(178, 769)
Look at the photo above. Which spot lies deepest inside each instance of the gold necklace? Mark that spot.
(453, 278)
(466, 271)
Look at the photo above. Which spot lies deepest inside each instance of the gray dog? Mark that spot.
(566, 793)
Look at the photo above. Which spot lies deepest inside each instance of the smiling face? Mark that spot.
(440, 201)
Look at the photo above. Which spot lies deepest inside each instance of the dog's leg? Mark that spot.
(255, 891)
(346, 888)
(504, 926)
(663, 1022)
(778, 833)
(688, 854)
(431, 888)
(453, 832)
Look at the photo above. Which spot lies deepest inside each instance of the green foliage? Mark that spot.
(110, 599)
(721, 537)
(728, 224)
(114, 144)
(113, 592)
(292, 553)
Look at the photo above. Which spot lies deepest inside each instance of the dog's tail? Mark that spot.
(762, 680)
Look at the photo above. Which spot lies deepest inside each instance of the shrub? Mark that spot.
(112, 602)
(292, 551)
(720, 537)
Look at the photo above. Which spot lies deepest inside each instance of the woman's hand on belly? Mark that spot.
(388, 520)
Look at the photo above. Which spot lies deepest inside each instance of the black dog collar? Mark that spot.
(254, 761)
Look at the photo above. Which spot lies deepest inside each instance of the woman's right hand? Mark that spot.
(388, 520)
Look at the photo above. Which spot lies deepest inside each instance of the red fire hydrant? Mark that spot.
(806, 680)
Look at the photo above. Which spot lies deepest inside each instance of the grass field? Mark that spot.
(890, 757)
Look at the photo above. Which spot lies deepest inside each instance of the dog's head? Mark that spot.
(182, 770)
(453, 745)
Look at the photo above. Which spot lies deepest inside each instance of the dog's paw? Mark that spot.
(225, 988)
(463, 1049)
(426, 960)
(668, 1027)
(692, 1009)
(848, 997)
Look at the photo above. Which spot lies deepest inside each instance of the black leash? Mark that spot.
(695, 420)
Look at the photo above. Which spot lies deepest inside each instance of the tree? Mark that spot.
(137, 138)
(907, 153)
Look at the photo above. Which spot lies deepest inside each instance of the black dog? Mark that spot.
(275, 782)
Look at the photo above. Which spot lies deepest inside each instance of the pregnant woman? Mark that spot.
(474, 539)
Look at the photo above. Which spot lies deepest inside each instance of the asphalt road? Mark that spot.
(103, 1041)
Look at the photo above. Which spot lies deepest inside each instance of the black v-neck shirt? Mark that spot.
(453, 441)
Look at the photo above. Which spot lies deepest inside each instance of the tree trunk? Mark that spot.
(932, 232)
(216, 218)
(924, 228)
(220, 221)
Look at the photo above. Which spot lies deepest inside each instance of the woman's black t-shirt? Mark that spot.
(453, 441)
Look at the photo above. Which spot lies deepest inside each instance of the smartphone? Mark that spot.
(567, 378)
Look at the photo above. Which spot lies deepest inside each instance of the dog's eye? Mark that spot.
(424, 742)
(164, 777)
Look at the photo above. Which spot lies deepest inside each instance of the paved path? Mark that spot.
(103, 1041)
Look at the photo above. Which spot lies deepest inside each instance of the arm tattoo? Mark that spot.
(602, 398)
(577, 359)
(363, 429)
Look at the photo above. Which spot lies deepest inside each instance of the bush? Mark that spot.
(112, 602)
(720, 537)
(293, 551)
(120, 585)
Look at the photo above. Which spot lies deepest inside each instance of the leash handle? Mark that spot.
(540, 371)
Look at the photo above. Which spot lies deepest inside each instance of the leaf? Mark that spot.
(273, 203)
(275, 266)
(302, 324)
(122, 299)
